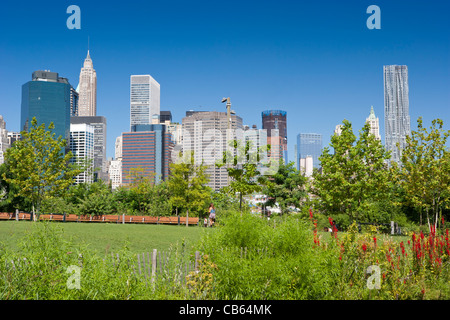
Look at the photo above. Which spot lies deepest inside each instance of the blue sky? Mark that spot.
(316, 60)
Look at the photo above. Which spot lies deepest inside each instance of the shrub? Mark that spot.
(260, 259)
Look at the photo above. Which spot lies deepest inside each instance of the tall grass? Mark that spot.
(39, 269)
(260, 259)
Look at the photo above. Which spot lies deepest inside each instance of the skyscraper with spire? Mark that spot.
(374, 123)
(87, 89)
(396, 109)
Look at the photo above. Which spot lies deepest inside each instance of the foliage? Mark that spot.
(257, 260)
(187, 186)
(286, 187)
(352, 177)
(242, 169)
(425, 172)
(38, 166)
(10, 200)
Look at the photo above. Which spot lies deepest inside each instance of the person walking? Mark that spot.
(212, 214)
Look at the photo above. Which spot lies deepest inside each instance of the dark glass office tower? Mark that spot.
(47, 97)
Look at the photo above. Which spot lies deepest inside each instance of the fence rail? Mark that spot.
(101, 218)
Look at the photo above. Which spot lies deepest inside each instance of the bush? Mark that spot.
(260, 259)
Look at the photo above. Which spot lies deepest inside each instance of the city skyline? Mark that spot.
(319, 62)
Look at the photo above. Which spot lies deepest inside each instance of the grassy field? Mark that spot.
(110, 237)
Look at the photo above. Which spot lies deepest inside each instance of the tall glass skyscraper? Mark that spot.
(144, 99)
(396, 109)
(47, 97)
(309, 145)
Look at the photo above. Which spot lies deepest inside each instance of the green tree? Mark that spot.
(9, 193)
(287, 187)
(38, 165)
(425, 171)
(353, 176)
(242, 169)
(187, 185)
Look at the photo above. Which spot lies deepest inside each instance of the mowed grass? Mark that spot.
(105, 238)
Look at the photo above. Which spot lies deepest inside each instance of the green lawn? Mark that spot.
(110, 237)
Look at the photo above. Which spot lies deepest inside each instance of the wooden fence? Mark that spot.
(165, 266)
(102, 218)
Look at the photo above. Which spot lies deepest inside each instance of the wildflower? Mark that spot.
(375, 241)
(364, 247)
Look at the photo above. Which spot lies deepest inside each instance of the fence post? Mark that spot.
(187, 217)
(17, 214)
(392, 227)
(123, 218)
(154, 264)
(197, 259)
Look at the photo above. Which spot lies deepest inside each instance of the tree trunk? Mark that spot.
(240, 201)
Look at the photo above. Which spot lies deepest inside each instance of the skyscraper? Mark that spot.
(144, 99)
(99, 125)
(374, 124)
(74, 96)
(87, 89)
(205, 133)
(146, 147)
(4, 144)
(82, 147)
(47, 97)
(309, 144)
(396, 109)
(275, 122)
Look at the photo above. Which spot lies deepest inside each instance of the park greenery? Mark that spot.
(248, 255)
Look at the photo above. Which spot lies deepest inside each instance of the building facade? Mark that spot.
(115, 166)
(47, 97)
(146, 148)
(205, 133)
(87, 89)
(258, 146)
(397, 123)
(74, 96)
(275, 122)
(144, 99)
(115, 173)
(100, 161)
(4, 143)
(82, 148)
(374, 124)
(309, 144)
